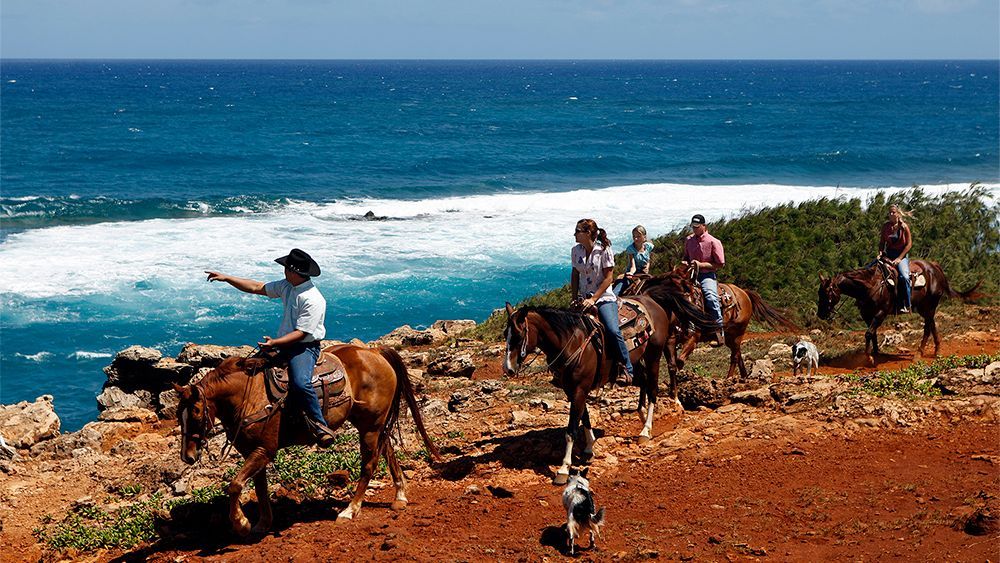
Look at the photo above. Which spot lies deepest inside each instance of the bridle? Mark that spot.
(548, 365)
(201, 435)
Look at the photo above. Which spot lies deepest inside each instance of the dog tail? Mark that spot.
(599, 517)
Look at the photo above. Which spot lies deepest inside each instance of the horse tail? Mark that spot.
(765, 313)
(970, 295)
(674, 300)
(404, 390)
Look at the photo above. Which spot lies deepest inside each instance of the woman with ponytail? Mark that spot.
(894, 244)
(593, 264)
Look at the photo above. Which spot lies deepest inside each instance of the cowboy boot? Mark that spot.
(719, 340)
(321, 433)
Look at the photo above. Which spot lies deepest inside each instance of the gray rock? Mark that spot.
(64, 445)
(454, 328)
(763, 370)
(25, 424)
(457, 399)
(460, 365)
(891, 338)
(521, 418)
(780, 351)
(544, 404)
(114, 397)
(753, 397)
(695, 391)
(434, 409)
(490, 386)
(966, 381)
(127, 414)
(136, 368)
(167, 401)
(210, 355)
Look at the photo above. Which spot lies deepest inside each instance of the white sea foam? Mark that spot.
(39, 357)
(85, 355)
(462, 238)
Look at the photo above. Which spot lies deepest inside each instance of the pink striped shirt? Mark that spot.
(705, 248)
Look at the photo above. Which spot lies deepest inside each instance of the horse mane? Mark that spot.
(562, 321)
(236, 364)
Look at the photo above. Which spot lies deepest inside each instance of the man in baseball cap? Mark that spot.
(705, 251)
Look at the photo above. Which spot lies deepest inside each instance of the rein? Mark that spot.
(548, 365)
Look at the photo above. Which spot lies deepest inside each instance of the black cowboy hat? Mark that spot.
(299, 262)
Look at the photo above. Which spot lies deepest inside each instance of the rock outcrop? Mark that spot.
(24, 424)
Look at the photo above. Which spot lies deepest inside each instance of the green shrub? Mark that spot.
(87, 528)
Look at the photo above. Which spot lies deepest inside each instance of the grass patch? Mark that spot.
(87, 528)
(917, 380)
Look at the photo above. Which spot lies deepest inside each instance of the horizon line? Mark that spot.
(100, 59)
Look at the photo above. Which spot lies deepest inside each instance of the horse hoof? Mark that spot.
(242, 529)
(261, 529)
(643, 440)
(345, 517)
(398, 505)
(560, 479)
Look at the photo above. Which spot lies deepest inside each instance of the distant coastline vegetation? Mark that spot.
(780, 250)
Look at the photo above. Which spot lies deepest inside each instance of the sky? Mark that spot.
(507, 29)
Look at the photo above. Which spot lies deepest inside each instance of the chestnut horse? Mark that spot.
(875, 301)
(580, 364)
(235, 393)
(746, 305)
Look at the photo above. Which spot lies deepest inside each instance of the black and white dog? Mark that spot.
(580, 514)
(804, 355)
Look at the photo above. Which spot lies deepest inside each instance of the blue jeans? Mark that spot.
(621, 285)
(710, 291)
(301, 362)
(902, 297)
(608, 313)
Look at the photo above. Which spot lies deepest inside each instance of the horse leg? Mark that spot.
(263, 502)
(588, 433)
(255, 462)
(577, 403)
(369, 461)
(934, 333)
(397, 477)
(738, 344)
(688, 347)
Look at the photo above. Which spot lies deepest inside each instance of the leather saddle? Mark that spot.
(633, 321)
(917, 278)
(329, 379)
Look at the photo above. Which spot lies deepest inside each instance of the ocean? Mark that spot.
(122, 181)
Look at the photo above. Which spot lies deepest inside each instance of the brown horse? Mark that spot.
(870, 288)
(739, 307)
(235, 393)
(576, 356)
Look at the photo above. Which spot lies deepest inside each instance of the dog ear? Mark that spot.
(584, 472)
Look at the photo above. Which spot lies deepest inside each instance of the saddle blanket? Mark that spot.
(634, 322)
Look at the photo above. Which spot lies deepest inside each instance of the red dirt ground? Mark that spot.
(880, 496)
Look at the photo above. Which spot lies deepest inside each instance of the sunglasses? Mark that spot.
(581, 231)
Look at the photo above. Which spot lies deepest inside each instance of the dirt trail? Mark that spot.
(734, 483)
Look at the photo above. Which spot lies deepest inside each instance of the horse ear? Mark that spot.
(183, 391)
(510, 310)
(822, 278)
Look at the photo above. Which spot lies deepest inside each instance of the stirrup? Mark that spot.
(321, 433)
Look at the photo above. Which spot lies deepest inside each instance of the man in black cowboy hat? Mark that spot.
(300, 332)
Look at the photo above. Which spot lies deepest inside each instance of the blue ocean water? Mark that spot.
(121, 181)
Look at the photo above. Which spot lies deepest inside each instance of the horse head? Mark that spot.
(829, 296)
(520, 340)
(196, 417)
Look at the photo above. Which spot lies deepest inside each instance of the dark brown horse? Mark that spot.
(739, 307)
(235, 393)
(874, 297)
(580, 364)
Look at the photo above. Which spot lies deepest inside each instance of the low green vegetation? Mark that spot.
(304, 470)
(780, 250)
(917, 380)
